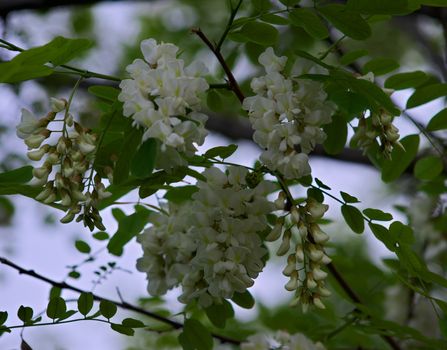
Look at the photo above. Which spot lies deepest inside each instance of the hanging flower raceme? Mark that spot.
(377, 127)
(65, 164)
(211, 245)
(287, 114)
(163, 97)
(281, 340)
(306, 257)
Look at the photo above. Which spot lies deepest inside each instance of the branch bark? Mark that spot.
(123, 305)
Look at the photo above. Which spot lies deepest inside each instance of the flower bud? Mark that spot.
(291, 265)
(34, 141)
(42, 171)
(325, 259)
(46, 192)
(314, 253)
(285, 244)
(302, 229)
(318, 303)
(61, 146)
(280, 201)
(66, 199)
(318, 235)
(318, 274)
(293, 283)
(310, 282)
(275, 233)
(57, 104)
(299, 253)
(316, 209)
(51, 198)
(324, 292)
(68, 217)
(38, 154)
(295, 215)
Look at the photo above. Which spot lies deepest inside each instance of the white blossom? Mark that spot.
(163, 97)
(281, 340)
(210, 246)
(287, 114)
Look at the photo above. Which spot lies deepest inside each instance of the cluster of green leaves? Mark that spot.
(58, 313)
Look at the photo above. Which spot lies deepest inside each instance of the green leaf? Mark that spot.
(195, 336)
(128, 228)
(122, 329)
(353, 218)
(348, 198)
(214, 101)
(13, 72)
(402, 234)
(428, 168)
(352, 56)
(132, 323)
(393, 168)
(260, 33)
(3, 317)
(348, 22)
(108, 93)
(74, 274)
(129, 147)
(380, 66)
(378, 7)
(244, 300)
(310, 22)
(383, 235)
(337, 133)
(85, 303)
(25, 314)
(56, 308)
(316, 194)
(221, 151)
(261, 5)
(143, 162)
(83, 247)
(68, 314)
(274, 19)
(58, 51)
(321, 184)
(101, 236)
(408, 80)
(426, 94)
(377, 214)
(219, 313)
(438, 122)
(55, 292)
(180, 194)
(107, 309)
(17, 176)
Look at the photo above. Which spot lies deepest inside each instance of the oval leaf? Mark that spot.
(438, 122)
(393, 168)
(353, 218)
(310, 22)
(56, 308)
(143, 161)
(428, 168)
(83, 247)
(408, 80)
(348, 22)
(377, 214)
(260, 33)
(426, 94)
(107, 309)
(195, 336)
(85, 303)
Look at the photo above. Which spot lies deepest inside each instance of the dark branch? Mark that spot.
(122, 304)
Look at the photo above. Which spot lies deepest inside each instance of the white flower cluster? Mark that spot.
(304, 264)
(286, 114)
(211, 244)
(163, 97)
(281, 340)
(72, 155)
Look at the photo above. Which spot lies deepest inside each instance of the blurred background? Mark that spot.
(31, 235)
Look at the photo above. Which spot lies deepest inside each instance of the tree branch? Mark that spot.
(124, 305)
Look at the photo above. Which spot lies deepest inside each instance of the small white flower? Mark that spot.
(28, 125)
(57, 104)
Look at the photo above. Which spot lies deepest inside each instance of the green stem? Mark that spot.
(229, 24)
(54, 323)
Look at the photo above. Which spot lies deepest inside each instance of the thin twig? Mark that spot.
(231, 80)
(122, 304)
